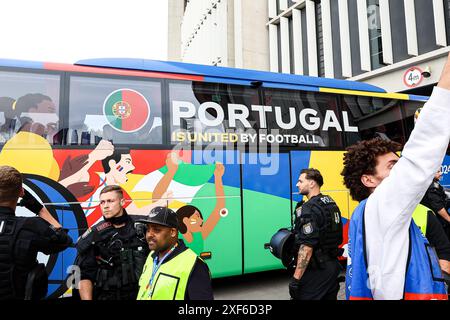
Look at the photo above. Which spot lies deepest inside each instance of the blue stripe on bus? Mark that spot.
(215, 74)
(418, 98)
(227, 81)
(260, 170)
(21, 64)
(289, 86)
(231, 73)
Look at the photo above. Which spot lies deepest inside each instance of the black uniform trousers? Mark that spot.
(319, 283)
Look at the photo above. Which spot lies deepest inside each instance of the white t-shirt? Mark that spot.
(389, 209)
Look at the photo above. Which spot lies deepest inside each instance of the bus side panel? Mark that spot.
(299, 160)
(266, 198)
(330, 164)
(194, 188)
(446, 172)
(224, 243)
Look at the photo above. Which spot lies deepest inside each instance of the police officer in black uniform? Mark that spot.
(112, 253)
(21, 276)
(318, 234)
(436, 199)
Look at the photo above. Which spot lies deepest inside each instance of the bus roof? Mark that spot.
(238, 76)
(197, 72)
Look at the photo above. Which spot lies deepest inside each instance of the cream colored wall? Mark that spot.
(233, 33)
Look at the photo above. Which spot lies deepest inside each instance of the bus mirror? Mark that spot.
(256, 84)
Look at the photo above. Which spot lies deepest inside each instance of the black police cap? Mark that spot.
(162, 216)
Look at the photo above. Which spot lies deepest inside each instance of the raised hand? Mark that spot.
(103, 150)
(165, 198)
(172, 161)
(220, 170)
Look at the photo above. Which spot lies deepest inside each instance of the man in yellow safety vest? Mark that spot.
(172, 270)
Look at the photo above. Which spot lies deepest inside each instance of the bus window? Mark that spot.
(125, 112)
(375, 117)
(29, 102)
(410, 108)
(314, 114)
(201, 111)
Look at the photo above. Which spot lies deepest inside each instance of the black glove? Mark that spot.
(29, 202)
(294, 287)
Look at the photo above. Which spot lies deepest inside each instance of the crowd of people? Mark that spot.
(398, 246)
(123, 257)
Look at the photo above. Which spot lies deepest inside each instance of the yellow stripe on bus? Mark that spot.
(330, 164)
(400, 96)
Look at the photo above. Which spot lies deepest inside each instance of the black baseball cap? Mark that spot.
(162, 216)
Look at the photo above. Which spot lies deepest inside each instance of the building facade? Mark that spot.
(176, 11)
(399, 45)
(230, 33)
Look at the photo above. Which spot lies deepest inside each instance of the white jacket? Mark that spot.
(389, 208)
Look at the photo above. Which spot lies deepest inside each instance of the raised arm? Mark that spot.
(103, 150)
(161, 202)
(172, 167)
(214, 218)
(395, 199)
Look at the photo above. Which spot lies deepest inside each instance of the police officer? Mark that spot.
(318, 234)
(436, 199)
(112, 253)
(21, 276)
(172, 271)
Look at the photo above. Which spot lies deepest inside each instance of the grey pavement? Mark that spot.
(269, 285)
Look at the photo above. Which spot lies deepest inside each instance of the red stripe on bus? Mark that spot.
(121, 72)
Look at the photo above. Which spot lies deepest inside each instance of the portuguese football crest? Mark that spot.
(126, 110)
(121, 110)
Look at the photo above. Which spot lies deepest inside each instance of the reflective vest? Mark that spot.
(423, 280)
(420, 217)
(171, 279)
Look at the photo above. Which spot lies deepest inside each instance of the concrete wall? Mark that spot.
(391, 78)
(234, 33)
(255, 35)
(176, 8)
(204, 32)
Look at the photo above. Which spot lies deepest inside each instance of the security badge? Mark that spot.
(298, 211)
(307, 228)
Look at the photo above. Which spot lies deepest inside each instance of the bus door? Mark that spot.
(266, 203)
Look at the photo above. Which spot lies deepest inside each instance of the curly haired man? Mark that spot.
(389, 258)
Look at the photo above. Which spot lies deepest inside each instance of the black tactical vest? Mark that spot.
(331, 231)
(120, 258)
(9, 229)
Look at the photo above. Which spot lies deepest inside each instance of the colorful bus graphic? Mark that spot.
(228, 143)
